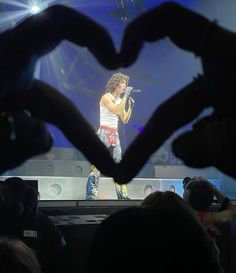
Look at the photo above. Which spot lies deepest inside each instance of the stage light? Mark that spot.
(35, 6)
(35, 9)
(126, 10)
(120, 12)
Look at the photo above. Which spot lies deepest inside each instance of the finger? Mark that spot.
(132, 43)
(184, 27)
(40, 33)
(192, 149)
(22, 136)
(145, 28)
(209, 146)
(48, 104)
(177, 111)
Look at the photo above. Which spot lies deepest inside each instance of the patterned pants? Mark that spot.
(110, 138)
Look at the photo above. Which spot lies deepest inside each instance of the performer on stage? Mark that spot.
(112, 107)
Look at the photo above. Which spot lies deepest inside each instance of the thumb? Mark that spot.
(192, 148)
(209, 145)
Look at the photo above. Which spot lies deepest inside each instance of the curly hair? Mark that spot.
(114, 80)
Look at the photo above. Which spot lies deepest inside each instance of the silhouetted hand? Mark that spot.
(22, 136)
(20, 48)
(211, 142)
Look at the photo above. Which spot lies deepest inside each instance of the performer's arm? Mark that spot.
(106, 100)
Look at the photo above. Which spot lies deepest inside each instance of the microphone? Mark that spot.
(136, 90)
(133, 90)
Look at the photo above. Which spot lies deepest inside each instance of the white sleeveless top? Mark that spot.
(107, 117)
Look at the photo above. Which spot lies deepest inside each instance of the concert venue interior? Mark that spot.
(161, 70)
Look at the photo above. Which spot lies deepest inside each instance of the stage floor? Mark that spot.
(55, 188)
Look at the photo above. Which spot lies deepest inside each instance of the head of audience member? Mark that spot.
(198, 193)
(141, 239)
(17, 199)
(16, 257)
(167, 200)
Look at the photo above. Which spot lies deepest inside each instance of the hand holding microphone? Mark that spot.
(130, 89)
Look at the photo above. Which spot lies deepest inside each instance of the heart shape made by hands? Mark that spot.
(203, 146)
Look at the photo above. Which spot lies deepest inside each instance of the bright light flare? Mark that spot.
(35, 6)
(35, 9)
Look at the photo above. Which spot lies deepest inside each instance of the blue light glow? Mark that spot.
(35, 6)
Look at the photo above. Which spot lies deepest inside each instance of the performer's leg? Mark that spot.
(121, 190)
(94, 174)
(92, 184)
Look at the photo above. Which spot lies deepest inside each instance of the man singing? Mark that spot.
(112, 107)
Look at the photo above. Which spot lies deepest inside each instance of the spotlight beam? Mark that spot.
(13, 3)
(10, 18)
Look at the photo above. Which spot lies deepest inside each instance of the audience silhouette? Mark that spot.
(21, 219)
(200, 193)
(152, 240)
(17, 257)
